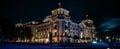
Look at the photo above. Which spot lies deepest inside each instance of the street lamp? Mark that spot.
(107, 37)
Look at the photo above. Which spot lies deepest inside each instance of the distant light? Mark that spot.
(96, 39)
(94, 42)
(109, 40)
(107, 37)
(100, 40)
(113, 38)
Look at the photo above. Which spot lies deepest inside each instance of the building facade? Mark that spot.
(58, 27)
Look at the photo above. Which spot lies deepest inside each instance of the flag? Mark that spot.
(86, 15)
(59, 3)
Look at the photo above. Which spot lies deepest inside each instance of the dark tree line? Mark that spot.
(6, 29)
(23, 32)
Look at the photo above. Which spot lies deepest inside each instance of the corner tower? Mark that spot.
(88, 30)
(60, 19)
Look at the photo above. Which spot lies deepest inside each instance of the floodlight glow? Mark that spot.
(94, 42)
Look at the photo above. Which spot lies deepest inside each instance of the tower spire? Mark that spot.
(59, 4)
(86, 15)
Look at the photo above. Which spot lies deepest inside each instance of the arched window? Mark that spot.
(55, 27)
(66, 27)
(55, 33)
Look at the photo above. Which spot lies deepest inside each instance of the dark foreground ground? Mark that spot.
(98, 45)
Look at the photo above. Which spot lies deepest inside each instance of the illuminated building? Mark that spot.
(61, 28)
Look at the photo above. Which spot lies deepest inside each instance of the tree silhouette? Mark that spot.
(23, 32)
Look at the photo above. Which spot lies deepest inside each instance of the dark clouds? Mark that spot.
(109, 23)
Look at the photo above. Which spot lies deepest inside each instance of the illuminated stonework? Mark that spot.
(61, 28)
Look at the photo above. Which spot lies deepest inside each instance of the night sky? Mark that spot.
(105, 13)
